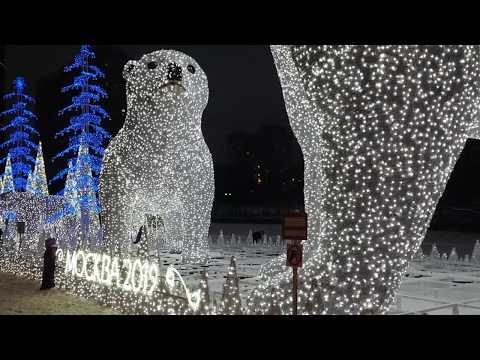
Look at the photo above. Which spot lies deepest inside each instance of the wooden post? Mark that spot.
(295, 290)
(294, 230)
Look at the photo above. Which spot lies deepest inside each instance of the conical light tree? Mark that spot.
(453, 255)
(37, 180)
(19, 128)
(221, 238)
(8, 184)
(204, 307)
(249, 238)
(476, 252)
(231, 302)
(435, 254)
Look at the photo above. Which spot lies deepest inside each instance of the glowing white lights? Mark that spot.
(138, 275)
(193, 298)
(37, 180)
(231, 303)
(381, 128)
(166, 171)
(159, 164)
(7, 178)
(32, 209)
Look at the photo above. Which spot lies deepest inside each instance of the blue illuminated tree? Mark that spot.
(86, 115)
(19, 128)
(86, 143)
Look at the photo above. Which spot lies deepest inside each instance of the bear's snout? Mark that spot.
(174, 72)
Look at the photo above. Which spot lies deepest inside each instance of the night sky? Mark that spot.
(244, 88)
(245, 94)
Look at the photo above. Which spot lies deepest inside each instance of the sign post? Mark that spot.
(294, 229)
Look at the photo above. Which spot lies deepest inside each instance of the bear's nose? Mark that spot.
(174, 72)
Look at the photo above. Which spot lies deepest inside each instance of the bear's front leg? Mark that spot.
(197, 223)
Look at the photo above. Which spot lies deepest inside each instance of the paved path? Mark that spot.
(23, 297)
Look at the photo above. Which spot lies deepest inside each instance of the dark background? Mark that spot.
(258, 162)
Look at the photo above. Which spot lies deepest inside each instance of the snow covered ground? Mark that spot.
(248, 262)
(436, 287)
(430, 286)
(23, 297)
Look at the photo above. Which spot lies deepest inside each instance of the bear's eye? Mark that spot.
(130, 67)
(152, 65)
(191, 68)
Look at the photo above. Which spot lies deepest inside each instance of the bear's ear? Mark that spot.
(129, 69)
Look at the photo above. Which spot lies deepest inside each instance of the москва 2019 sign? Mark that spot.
(129, 275)
(139, 276)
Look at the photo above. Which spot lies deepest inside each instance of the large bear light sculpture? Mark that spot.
(159, 164)
(381, 128)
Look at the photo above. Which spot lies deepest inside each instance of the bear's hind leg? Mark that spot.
(174, 231)
(195, 247)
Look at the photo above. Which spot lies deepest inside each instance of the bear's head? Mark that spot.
(167, 75)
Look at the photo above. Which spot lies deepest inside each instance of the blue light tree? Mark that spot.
(86, 142)
(19, 128)
(86, 115)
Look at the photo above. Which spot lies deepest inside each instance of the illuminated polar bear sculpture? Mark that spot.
(381, 128)
(159, 163)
